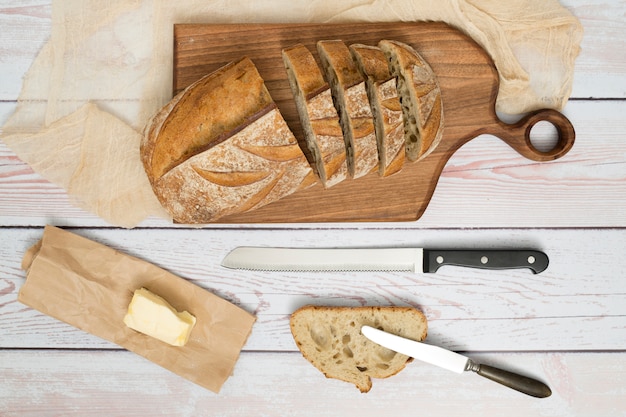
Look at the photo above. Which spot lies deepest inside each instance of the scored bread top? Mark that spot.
(350, 98)
(372, 62)
(318, 116)
(386, 107)
(420, 96)
(203, 115)
(310, 79)
(339, 58)
(257, 165)
(330, 338)
(222, 147)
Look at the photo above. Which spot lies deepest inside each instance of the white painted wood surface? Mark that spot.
(566, 326)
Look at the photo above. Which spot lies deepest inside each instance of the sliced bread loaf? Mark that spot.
(386, 108)
(330, 338)
(350, 98)
(420, 97)
(317, 114)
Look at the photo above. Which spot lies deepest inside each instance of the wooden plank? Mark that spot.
(25, 28)
(484, 184)
(31, 330)
(577, 304)
(599, 71)
(583, 185)
(35, 383)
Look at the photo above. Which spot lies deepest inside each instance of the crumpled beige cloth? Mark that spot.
(107, 68)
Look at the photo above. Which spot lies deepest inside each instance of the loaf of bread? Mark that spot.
(318, 115)
(221, 147)
(386, 108)
(350, 98)
(420, 97)
(330, 338)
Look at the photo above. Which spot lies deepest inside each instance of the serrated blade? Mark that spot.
(434, 355)
(381, 259)
(326, 259)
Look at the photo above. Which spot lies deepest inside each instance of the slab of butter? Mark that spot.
(152, 315)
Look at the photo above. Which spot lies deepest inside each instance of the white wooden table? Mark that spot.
(566, 326)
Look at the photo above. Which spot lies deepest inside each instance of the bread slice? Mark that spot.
(350, 98)
(221, 147)
(386, 108)
(420, 97)
(330, 338)
(318, 116)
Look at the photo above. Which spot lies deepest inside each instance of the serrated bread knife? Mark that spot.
(380, 259)
(455, 362)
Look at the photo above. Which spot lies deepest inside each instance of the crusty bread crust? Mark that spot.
(256, 166)
(151, 133)
(420, 97)
(350, 99)
(386, 108)
(222, 147)
(202, 115)
(330, 338)
(319, 119)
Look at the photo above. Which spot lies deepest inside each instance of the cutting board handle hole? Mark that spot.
(544, 136)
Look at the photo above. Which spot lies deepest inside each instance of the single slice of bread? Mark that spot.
(420, 97)
(386, 108)
(350, 98)
(221, 147)
(318, 115)
(330, 338)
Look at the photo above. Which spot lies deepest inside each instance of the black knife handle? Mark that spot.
(486, 259)
(512, 380)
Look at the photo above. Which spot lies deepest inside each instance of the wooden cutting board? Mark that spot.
(469, 85)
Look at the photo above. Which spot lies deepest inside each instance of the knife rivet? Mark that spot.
(439, 259)
(484, 260)
(531, 259)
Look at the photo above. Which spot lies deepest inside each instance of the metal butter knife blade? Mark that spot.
(380, 259)
(456, 362)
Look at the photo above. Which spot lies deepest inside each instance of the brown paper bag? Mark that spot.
(89, 285)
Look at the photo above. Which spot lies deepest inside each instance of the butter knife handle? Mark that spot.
(536, 261)
(515, 381)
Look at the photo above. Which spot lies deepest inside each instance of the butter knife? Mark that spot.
(455, 362)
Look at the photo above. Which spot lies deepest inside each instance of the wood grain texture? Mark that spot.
(487, 195)
(465, 73)
(577, 304)
(122, 384)
(601, 65)
(484, 184)
(25, 28)
(600, 68)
